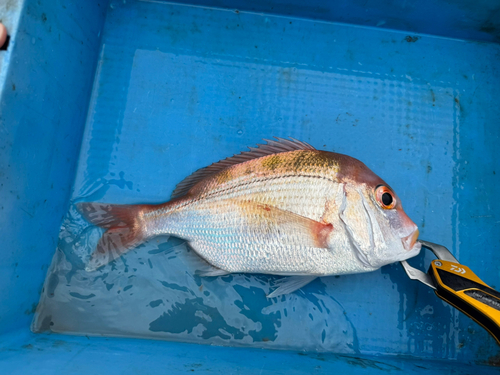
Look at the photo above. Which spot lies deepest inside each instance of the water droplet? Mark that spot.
(240, 132)
(280, 119)
(172, 100)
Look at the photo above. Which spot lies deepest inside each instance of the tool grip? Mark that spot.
(461, 288)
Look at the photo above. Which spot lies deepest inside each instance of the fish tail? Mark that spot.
(124, 230)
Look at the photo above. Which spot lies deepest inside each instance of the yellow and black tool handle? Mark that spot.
(461, 288)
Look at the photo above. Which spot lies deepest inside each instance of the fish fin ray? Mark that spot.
(290, 284)
(199, 265)
(123, 231)
(105, 215)
(305, 231)
(272, 147)
(269, 223)
(211, 272)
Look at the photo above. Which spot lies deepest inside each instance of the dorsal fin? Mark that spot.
(272, 147)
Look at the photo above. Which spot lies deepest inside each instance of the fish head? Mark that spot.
(376, 224)
(399, 233)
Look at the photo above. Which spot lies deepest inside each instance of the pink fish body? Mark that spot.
(283, 208)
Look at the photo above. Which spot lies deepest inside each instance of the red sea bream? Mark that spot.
(283, 208)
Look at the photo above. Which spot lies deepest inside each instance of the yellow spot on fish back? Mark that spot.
(308, 163)
(272, 162)
(325, 160)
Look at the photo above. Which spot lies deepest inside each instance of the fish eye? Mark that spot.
(385, 197)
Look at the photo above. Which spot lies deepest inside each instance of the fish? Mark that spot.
(282, 208)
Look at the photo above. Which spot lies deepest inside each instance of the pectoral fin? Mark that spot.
(265, 220)
(245, 236)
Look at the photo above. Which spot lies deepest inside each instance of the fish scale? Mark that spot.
(230, 248)
(302, 195)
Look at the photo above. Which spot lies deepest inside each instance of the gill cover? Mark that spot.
(376, 234)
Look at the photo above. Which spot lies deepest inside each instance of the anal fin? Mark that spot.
(211, 271)
(290, 284)
(198, 264)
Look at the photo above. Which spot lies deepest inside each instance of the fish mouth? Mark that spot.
(409, 241)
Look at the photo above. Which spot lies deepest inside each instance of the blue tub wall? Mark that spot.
(182, 87)
(461, 19)
(45, 103)
(46, 90)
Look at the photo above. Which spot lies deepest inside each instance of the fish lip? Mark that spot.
(410, 240)
(411, 253)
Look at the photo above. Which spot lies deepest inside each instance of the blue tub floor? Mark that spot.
(23, 353)
(180, 87)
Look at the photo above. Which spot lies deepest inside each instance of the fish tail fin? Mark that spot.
(124, 230)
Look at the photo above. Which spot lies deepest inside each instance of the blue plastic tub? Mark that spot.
(119, 101)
